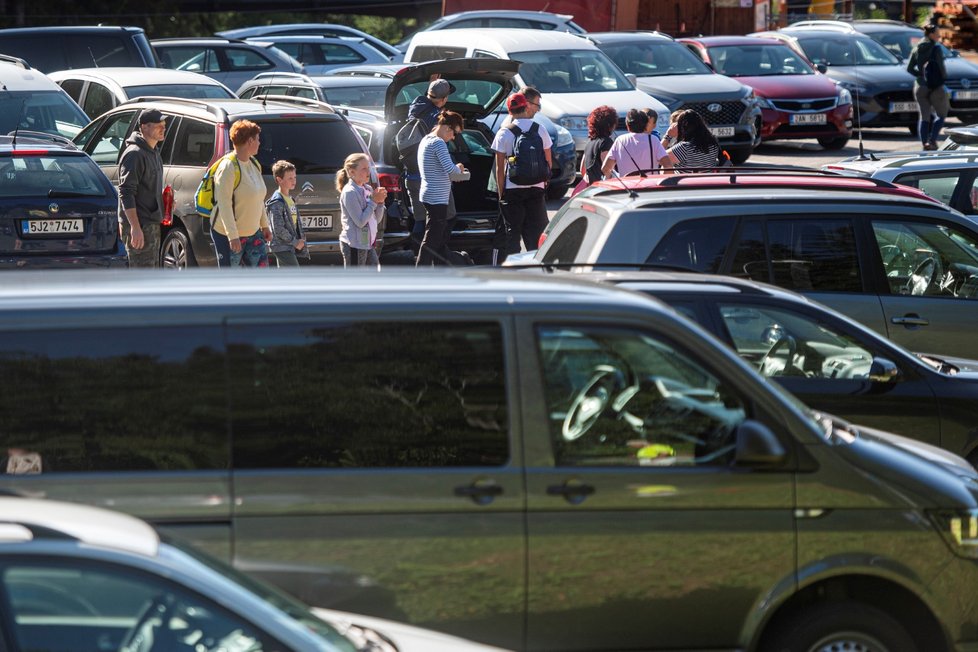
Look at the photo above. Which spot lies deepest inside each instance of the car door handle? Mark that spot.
(910, 320)
(573, 492)
(482, 492)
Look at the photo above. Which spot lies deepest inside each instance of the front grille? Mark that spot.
(884, 99)
(958, 84)
(794, 106)
(730, 113)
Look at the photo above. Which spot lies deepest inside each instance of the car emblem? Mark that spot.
(53, 208)
(965, 83)
(715, 108)
(308, 187)
(806, 105)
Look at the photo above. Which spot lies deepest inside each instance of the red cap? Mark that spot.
(516, 102)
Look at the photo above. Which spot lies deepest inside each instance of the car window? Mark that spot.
(37, 51)
(780, 342)
(928, 259)
(193, 144)
(191, 91)
(98, 100)
(482, 54)
(50, 176)
(265, 90)
(846, 51)
(191, 58)
(336, 53)
(567, 243)
(308, 93)
(696, 245)
(313, 146)
(514, 23)
(79, 400)
(939, 185)
(814, 254)
(758, 61)
(105, 147)
(466, 23)
(436, 52)
(59, 605)
(649, 58)
(52, 112)
(73, 87)
(100, 51)
(443, 397)
(571, 71)
(899, 43)
(364, 97)
(245, 59)
(622, 397)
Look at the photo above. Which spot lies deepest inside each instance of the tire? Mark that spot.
(176, 252)
(850, 626)
(557, 191)
(739, 155)
(833, 143)
(913, 130)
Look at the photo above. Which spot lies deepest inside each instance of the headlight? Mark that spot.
(662, 124)
(671, 103)
(764, 103)
(852, 87)
(959, 529)
(564, 137)
(845, 97)
(573, 122)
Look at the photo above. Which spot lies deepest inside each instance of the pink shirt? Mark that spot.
(631, 152)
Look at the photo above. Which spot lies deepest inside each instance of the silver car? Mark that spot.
(229, 61)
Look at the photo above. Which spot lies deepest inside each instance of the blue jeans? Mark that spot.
(254, 251)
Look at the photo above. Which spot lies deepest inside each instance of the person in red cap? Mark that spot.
(523, 163)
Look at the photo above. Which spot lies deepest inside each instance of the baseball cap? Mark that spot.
(516, 102)
(440, 88)
(151, 115)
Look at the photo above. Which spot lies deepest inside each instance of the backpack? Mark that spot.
(932, 70)
(204, 202)
(528, 162)
(407, 140)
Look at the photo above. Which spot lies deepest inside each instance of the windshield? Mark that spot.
(190, 91)
(847, 51)
(900, 43)
(758, 61)
(571, 71)
(52, 112)
(652, 58)
(481, 95)
(51, 175)
(313, 146)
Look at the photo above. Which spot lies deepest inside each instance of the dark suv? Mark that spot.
(59, 48)
(57, 209)
(315, 139)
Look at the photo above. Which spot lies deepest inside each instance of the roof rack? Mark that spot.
(285, 75)
(838, 25)
(17, 61)
(292, 99)
(885, 21)
(42, 136)
(220, 113)
(677, 179)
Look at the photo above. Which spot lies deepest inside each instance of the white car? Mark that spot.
(500, 19)
(76, 577)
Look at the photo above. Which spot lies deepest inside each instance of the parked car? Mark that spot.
(231, 62)
(383, 70)
(960, 138)
(318, 53)
(796, 100)
(950, 177)
(83, 578)
(900, 39)
(669, 72)
(315, 139)
(60, 47)
(357, 92)
(99, 89)
(57, 209)
(571, 72)
(888, 256)
(32, 102)
(325, 29)
(877, 79)
(500, 19)
(825, 359)
(536, 435)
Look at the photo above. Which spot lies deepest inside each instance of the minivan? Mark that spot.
(533, 463)
(574, 76)
(62, 47)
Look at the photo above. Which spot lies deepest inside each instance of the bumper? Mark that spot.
(113, 260)
(777, 125)
(875, 111)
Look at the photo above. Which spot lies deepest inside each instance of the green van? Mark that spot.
(533, 463)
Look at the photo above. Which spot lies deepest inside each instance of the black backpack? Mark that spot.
(528, 162)
(407, 140)
(932, 70)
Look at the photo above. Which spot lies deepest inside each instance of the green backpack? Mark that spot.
(204, 202)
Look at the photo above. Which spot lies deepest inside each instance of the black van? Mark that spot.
(535, 463)
(60, 48)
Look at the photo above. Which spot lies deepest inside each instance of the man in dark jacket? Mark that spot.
(141, 190)
(931, 101)
(426, 108)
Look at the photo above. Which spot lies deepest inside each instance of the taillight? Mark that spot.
(390, 182)
(541, 239)
(29, 152)
(167, 206)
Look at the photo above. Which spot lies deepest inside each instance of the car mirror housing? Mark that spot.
(757, 446)
(883, 371)
(821, 67)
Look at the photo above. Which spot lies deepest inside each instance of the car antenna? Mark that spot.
(23, 104)
(92, 55)
(859, 111)
(631, 193)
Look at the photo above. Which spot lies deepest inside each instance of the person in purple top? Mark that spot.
(636, 151)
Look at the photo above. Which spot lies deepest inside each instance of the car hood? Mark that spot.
(791, 87)
(493, 71)
(691, 88)
(558, 105)
(882, 77)
(404, 637)
(959, 67)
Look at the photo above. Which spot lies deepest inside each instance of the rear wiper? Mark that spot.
(71, 193)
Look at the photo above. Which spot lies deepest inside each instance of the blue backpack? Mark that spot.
(528, 162)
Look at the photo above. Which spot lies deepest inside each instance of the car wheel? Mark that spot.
(556, 191)
(833, 143)
(913, 129)
(841, 626)
(739, 155)
(176, 252)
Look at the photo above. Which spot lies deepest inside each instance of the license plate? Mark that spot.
(317, 222)
(964, 95)
(722, 132)
(52, 227)
(808, 118)
(903, 107)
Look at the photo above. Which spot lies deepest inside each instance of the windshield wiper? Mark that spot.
(71, 193)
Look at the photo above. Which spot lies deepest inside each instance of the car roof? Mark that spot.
(231, 108)
(820, 32)
(675, 281)
(304, 38)
(324, 81)
(70, 28)
(367, 69)
(134, 76)
(732, 40)
(508, 40)
(89, 525)
(626, 37)
(16, 78)
(916, 160)
(871, 25)
(511, 13)
(209, 40)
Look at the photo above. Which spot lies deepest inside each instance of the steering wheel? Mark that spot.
(784, 341)
(137, 639)
(921, 276)
(891, 255)
(592, 401)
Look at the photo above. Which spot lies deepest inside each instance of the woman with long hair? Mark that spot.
(601, 123)
(361, 209)
(692, 146)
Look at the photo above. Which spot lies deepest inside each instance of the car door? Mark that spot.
(98, 99)
(641, 535)
(105, 141)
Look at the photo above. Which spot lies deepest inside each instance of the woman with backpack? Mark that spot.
(692, 146)
(636, 151)
(927, 65)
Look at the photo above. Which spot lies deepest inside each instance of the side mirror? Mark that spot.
(883, 371)
(757, 446)
(632, 78)
(821, 67)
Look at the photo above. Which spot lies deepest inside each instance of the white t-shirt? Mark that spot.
(505, 140)
(631, 152)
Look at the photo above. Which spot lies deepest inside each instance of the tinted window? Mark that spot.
(99, 51)
(122, 399)
(655, 57)
(194, 144)
(242, 59)
(72, 87)
(567, 243)
(27, 176)
(314, 146)
(368, 395)
(571, 71)
(697, 245)
(758, 61)
(814, 254)
(192, 58)
(52, 112)
(98, 100)
(435, 52)
(926, 259)
(179, 90)
(847, 51)
(37, 50)
(939, 185)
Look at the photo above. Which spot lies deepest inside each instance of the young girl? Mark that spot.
(361, 209)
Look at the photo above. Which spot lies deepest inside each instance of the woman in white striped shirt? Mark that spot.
(692, 146)
(436, 164)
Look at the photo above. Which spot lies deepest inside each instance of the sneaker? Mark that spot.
(930, 146)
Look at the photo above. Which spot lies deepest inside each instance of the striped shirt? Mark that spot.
(688, 155)
(436, 164)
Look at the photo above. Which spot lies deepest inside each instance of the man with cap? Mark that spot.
(141, 190)
(426, 109)
(524, 208)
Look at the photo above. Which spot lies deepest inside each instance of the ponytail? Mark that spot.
(345, 173)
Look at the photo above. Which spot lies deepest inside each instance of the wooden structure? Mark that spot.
(958, 23)
(691, 17)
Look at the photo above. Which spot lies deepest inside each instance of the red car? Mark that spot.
(797, 101)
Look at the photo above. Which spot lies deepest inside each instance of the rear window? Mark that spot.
(52, 112)
(50, 176)
(191, 91)
(696, 245)
(313, 146)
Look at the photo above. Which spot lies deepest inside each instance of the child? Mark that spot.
(287, 236)
(361, 210)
